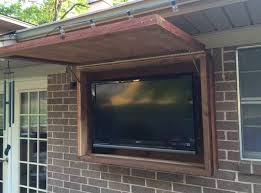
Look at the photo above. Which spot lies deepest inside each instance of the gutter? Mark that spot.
(124, 11)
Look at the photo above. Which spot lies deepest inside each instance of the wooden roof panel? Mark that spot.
(138, 37)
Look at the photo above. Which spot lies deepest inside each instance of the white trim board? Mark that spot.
(236, 37)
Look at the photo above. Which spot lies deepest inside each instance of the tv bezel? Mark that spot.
(197, 111)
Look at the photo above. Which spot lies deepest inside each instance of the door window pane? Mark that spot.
(34, 103)
(23, 150)
(33, 126)
(43, 152)
(23, 190)
(32, 175)
(32, 191)
(24, 126)
(33, 150)
(24, 103)
(249, 67)
(42, 177)
(1, 171)
(43, 102)
(1, 147)
(43, 126)
(1, 125)
(23, 174)
(1, 115)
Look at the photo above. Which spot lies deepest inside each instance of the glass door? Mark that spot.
(33, 141)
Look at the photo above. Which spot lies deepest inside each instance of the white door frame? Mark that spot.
(21, 85)
(6, 160)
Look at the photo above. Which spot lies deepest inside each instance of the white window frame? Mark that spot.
(239, 102)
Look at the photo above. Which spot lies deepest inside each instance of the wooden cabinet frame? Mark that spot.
(175, 63)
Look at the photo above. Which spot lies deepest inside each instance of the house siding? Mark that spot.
(67, 174)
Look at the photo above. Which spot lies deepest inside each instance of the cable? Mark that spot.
(73, 73)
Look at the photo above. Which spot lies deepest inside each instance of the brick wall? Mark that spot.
(67, 174)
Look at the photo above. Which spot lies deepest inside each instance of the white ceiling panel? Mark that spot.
(238, 14)
(218, 18)
(201, 21)
(254, 7)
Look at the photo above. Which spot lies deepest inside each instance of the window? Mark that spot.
(149, 117)
(249, 74)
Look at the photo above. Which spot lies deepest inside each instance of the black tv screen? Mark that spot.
(149, 114)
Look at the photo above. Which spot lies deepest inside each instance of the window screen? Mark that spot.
(249, 67)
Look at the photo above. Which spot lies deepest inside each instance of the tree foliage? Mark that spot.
(48, 11)
(116, 2)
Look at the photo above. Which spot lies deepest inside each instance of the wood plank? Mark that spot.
(139, 37)
(211, 79)
(206, 113)
(83, 133)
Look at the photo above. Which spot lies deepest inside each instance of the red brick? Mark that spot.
(226, 106)
(227, 125)
(232, 115)
(220, 96)
(207, 182)
(228, 145)
(226, 86)
(231, 135)
(231, 96)
(233, 155)
(220, 116)
(235, 186)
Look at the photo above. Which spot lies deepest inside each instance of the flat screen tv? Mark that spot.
(155, 114)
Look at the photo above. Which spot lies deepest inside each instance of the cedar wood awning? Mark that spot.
(129, 39)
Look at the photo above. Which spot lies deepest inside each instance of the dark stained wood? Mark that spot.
(187, 166)
(206, 116)
(213, 112)
(139, 37)
(163, 69)
(83, 123)
(147, 164)
(146, 63)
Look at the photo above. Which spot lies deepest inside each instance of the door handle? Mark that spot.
(4, 160)
(7, 149)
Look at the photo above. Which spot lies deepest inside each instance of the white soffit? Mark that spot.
(254, 7)
(8, 24)
(227, 17)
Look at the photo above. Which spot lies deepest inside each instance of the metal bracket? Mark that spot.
(4, 160)
(130, 16)
(174, 5)
(93, 24)
(62, 32)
